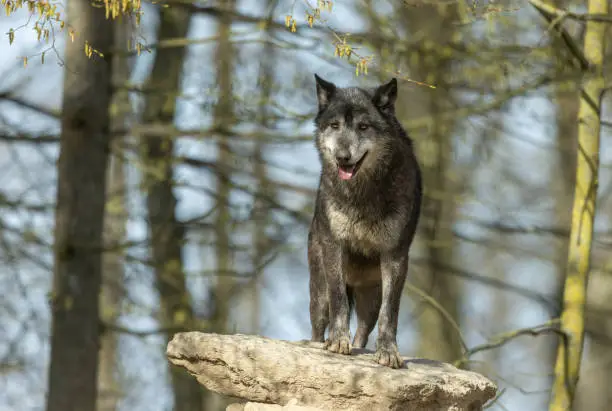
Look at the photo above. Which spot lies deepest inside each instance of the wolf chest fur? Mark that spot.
(364, 235)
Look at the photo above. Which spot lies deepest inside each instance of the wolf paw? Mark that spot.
(389, 356)
(341, 345)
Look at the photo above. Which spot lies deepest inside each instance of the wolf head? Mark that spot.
(355, 128)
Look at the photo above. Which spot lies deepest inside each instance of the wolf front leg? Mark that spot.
(339, 334)
(319, 298)
(394, 268)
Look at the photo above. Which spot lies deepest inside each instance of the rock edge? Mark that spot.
(302, 374)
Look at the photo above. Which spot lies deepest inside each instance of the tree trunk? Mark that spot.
(223, 113)
(439, 203)
(82, 163)
(223, 117)
(593, 389)
(261, 213)
(114, 230)
(569, 355)
(563, 176)
(166, 234)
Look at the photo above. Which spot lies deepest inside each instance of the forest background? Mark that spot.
(191, 133)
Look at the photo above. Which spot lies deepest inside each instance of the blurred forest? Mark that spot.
(175, 184)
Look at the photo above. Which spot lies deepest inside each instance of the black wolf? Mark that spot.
(366, 213)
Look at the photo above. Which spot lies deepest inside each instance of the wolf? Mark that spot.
(366, 213)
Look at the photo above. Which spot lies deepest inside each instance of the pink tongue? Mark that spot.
(345, 174)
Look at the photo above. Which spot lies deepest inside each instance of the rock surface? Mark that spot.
(302, 374)
(258, 406)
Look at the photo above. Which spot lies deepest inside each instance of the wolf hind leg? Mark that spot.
(319, 302)
(367, 305)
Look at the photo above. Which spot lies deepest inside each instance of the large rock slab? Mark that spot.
(263, 370)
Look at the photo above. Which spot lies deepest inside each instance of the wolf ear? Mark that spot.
(385, 95)
(325, 91)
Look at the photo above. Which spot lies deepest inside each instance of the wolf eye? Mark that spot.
(363, 126)
(335, 125)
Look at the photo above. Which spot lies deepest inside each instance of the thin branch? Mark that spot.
(432, 301)
(195, 162)
(463, 112)
(555, 18)
(55, 114)
(550, 327)
(30, 139)
(105, 326)
(551, 10)
(548, 302)
(238, 17)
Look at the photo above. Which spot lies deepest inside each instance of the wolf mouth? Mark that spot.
(346, 172)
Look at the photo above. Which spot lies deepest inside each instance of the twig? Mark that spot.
(140, 333)
(555, 17)
(551, 327)
(602, 18)
(432, 301)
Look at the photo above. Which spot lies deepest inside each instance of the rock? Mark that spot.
(262, 370)
(235, 407)
(258, 406)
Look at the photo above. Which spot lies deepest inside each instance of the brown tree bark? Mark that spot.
(166, 234)
(109, 388)
(224, 117)
(82, 163)
(261, 210)
(438, 339)
(223, 112)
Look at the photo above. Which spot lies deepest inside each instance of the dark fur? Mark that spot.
(362, 227)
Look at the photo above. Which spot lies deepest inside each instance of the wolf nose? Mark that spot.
(343, 156)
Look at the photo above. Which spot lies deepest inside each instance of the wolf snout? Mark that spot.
(343, 156)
